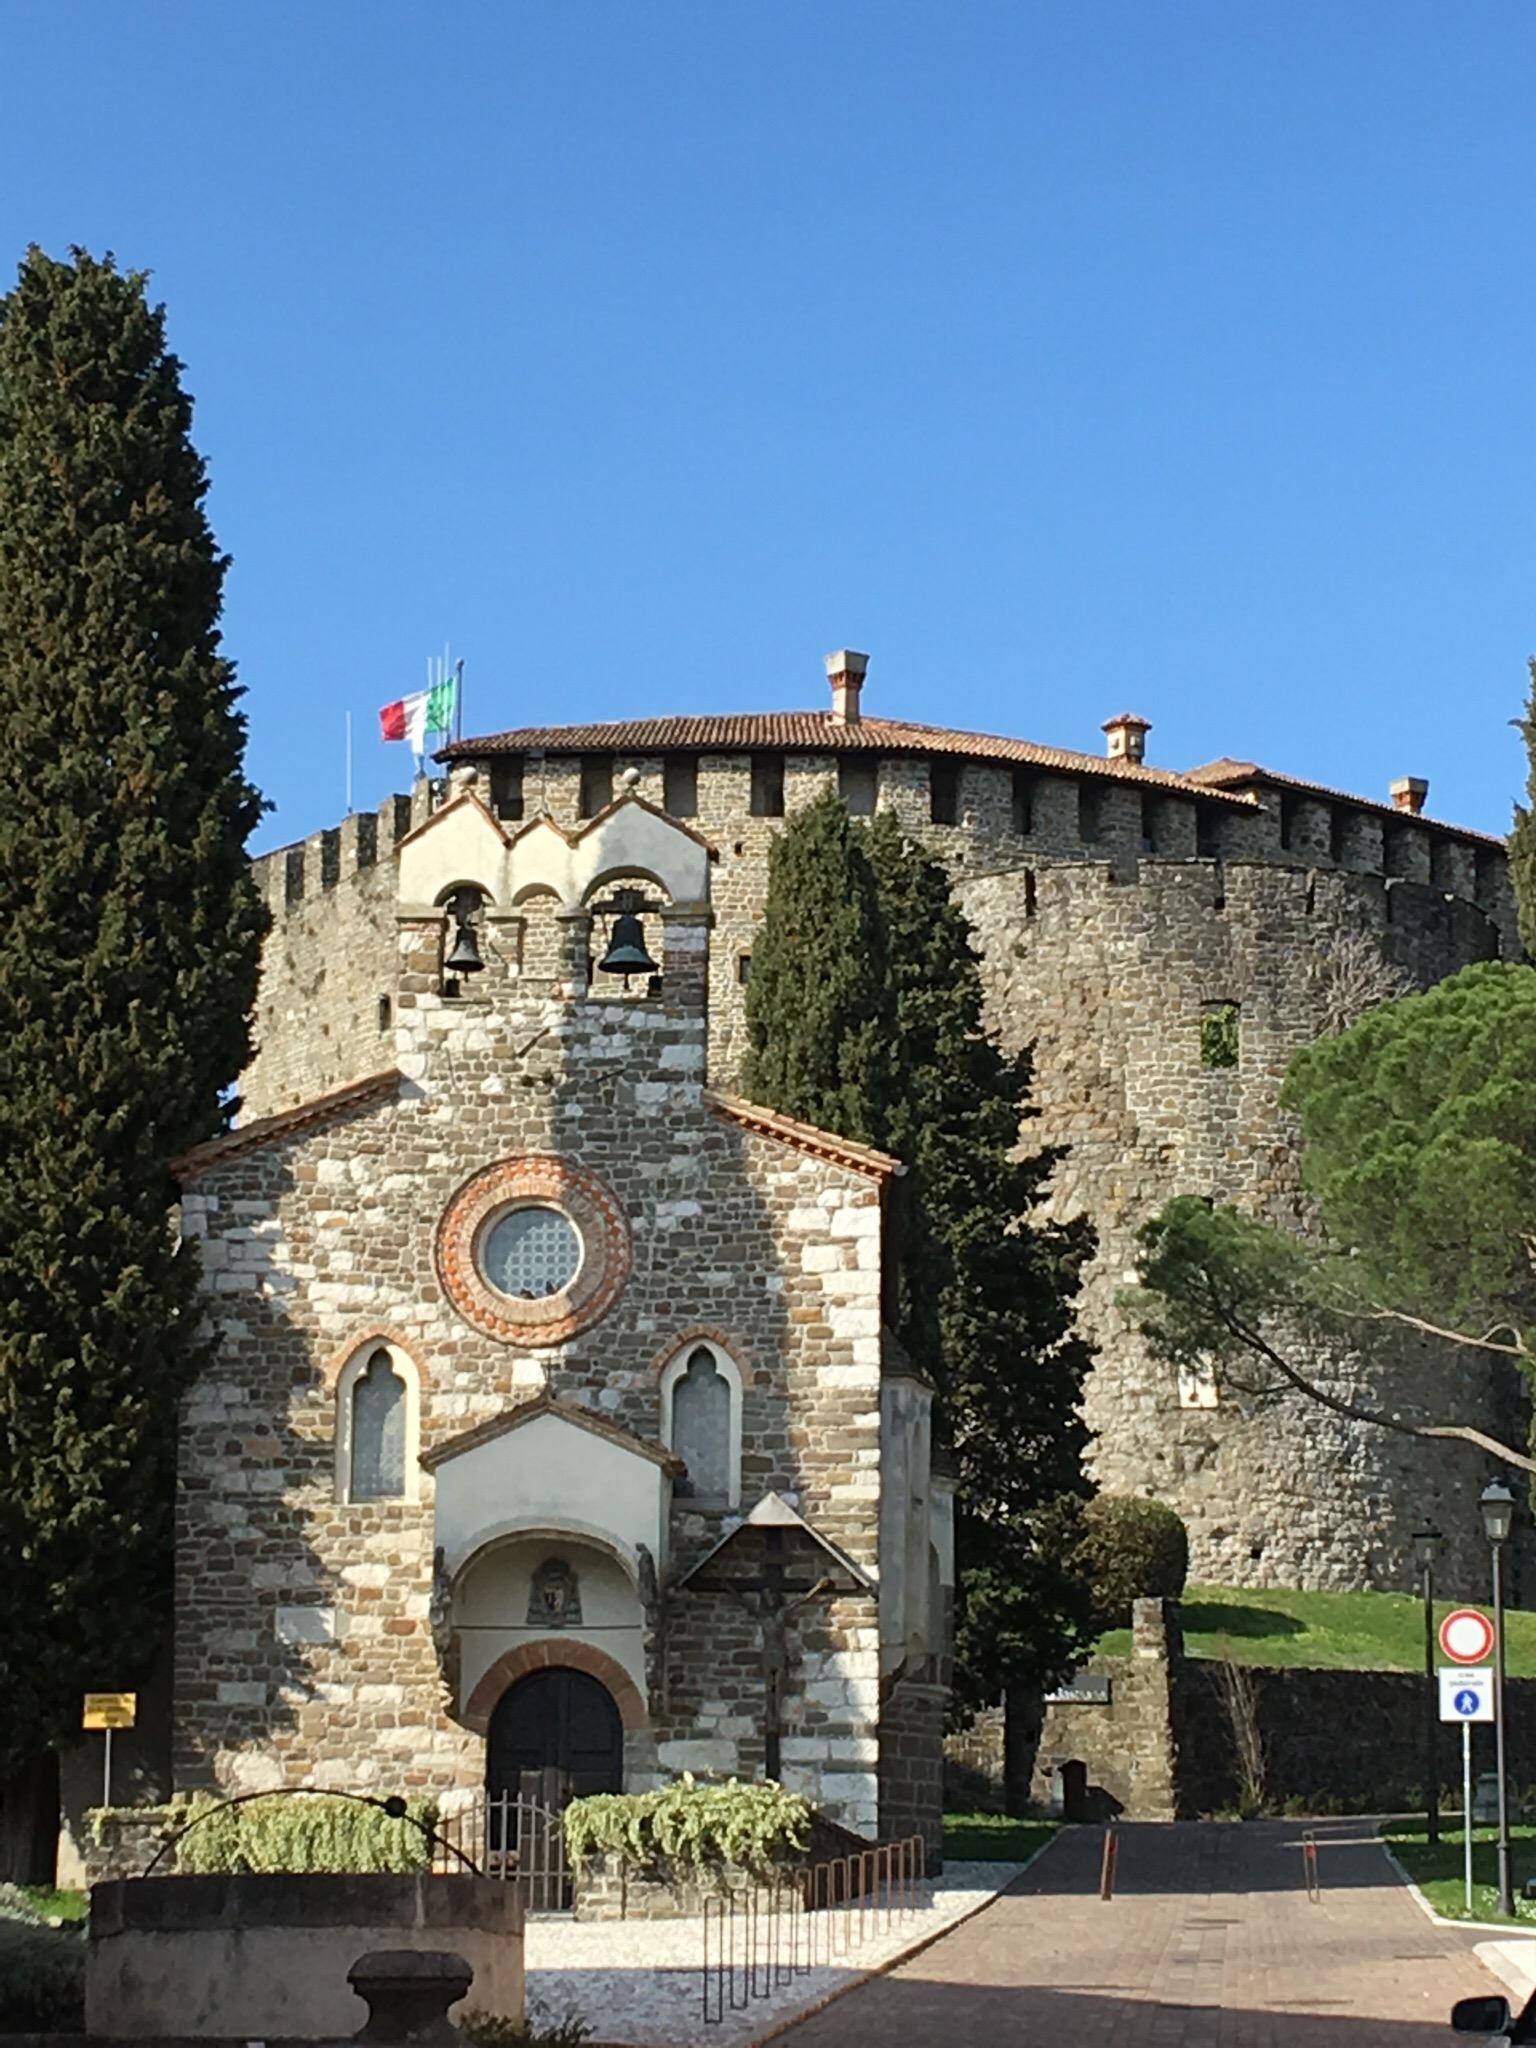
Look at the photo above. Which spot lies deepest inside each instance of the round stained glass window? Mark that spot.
(530, 1253)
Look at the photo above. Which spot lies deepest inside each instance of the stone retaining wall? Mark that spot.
(1163, 1747)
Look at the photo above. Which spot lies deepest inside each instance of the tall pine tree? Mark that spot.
(865, 1015)
(129, 941)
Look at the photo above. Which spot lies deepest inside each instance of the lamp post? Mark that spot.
(1426, 1544)
(1498, 1506)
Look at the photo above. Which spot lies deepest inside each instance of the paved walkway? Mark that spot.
(1210, 1942)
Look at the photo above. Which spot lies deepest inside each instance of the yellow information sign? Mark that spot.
(110, 1709)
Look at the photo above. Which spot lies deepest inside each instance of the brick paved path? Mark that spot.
(1210, 1942)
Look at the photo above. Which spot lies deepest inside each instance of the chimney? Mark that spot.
(1127, 737)
(1408, 794)
(845, 672)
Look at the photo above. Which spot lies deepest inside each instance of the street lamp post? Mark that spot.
(1426, 1542)
(1498, 1506)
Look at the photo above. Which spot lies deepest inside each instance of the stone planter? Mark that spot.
(610, 1888)
(255, 1958)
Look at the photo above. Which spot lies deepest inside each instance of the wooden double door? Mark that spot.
(560, 1726)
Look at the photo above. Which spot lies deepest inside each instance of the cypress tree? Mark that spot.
(1522, 840)
(129, 941)
(985, 1290)
(865, 1014)
(818, 1001)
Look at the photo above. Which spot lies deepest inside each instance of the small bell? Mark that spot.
(465, 957)
(626, 952)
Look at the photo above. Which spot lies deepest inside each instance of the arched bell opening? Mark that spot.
(625, 907)
(464, 906)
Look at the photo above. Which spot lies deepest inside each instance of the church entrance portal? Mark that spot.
(555, 1736)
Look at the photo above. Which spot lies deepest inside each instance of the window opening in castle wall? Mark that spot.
(507, 786)
(858, 784)
(1090, 813)
(1023, 802)
(1148, 823)
(1208, 831)
(680, 786)
(767, 785)
(596, 783)
(1220, 1034)
(944, 792)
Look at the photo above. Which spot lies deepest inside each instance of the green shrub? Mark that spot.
(485, 2030)
(1132, 1550)
(284, 1831)
(42, 1977)
(689, 1826)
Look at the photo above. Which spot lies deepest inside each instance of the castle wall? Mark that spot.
(1109, 981)
(1111, 912)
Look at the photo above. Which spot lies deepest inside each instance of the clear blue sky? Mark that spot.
(1068, 357)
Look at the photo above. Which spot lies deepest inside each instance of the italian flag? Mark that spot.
(412, 718)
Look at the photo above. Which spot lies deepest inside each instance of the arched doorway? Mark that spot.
(560, 1728)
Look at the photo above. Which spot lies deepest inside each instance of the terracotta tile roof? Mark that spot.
(811, 732)
(768, 1123)
(268, 1129)
(1228, 774)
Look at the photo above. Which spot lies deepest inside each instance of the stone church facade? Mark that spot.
(1130, 917)
(552, 1427)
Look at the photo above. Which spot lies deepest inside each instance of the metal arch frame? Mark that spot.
(393, 1807)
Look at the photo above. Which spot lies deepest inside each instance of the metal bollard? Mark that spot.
(1107, 1864)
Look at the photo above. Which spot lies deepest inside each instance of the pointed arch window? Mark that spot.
(378, 1432)
(701, 1422)
(377, 1426)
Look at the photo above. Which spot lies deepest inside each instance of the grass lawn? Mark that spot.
(1338, 1631)
(57, 1905)
(1438, 1870)
(993, 1838)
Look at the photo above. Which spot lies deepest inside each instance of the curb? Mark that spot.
(883, 1969)
(1508, 1928)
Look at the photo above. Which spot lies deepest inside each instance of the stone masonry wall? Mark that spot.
(315, 1244)
(1109, 981)
(1333, 1741)
(1100, 950)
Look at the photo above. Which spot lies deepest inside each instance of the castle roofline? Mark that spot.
(770, 1123)
(1228, 774)
(818, 732)
(267, 1130)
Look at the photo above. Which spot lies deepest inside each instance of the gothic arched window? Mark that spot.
(701, 1405)
(376, 1462)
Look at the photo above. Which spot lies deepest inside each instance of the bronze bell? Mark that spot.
(626, 952)
(465, 957)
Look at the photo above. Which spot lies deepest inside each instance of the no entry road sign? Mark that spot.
(1465, 1695)
(1466, 1636)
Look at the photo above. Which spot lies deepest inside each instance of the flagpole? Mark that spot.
(349, 764)
(458, 699)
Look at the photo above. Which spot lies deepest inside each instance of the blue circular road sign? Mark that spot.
(1466, 1701)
